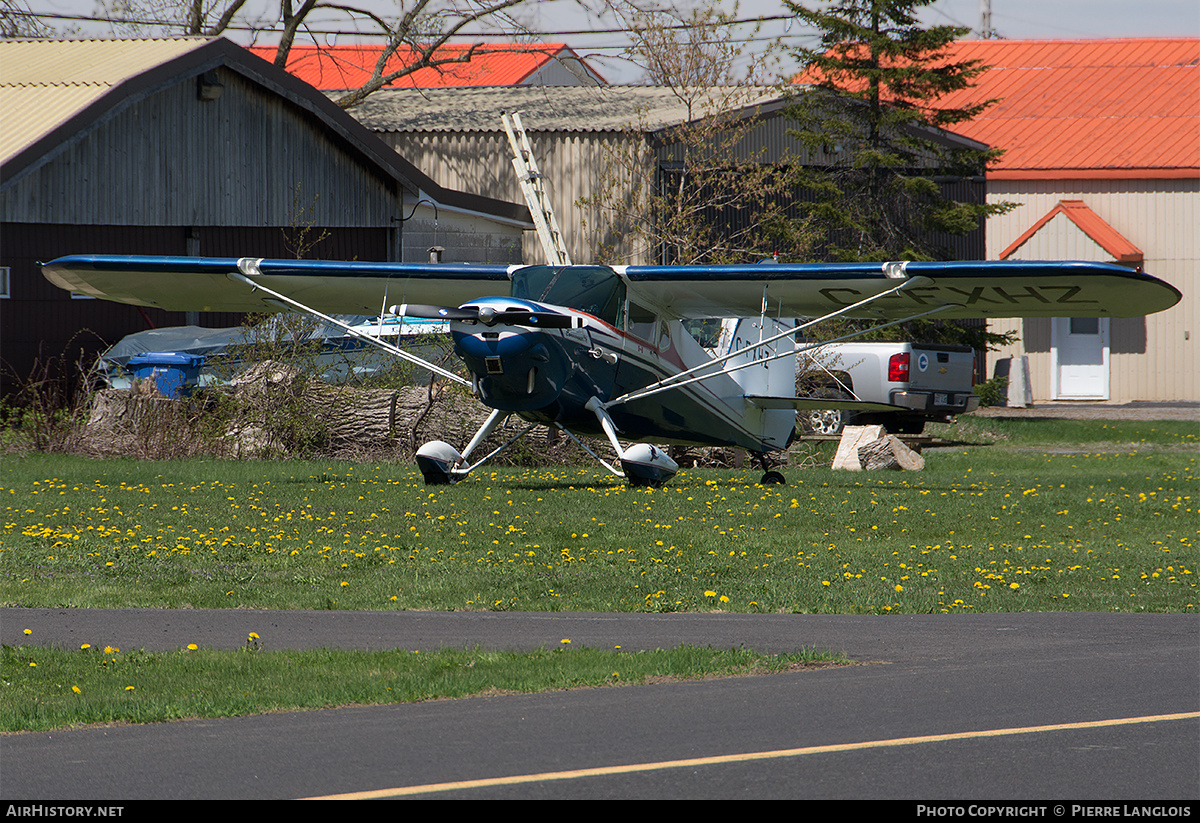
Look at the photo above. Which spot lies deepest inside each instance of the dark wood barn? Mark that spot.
(194, 147)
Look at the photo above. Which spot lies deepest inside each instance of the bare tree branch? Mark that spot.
(423, 28)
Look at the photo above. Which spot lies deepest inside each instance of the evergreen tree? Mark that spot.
(870, 118)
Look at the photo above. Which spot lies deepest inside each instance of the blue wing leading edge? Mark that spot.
(971, 289)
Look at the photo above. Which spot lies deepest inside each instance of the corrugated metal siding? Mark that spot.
(576, 165)
(482, 162)
(130, 168)
(1154, 359)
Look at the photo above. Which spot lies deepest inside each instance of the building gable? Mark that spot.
(1072, 231)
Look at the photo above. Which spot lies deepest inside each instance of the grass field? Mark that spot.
(1053, 515)
(1013, 515)
(47, 688)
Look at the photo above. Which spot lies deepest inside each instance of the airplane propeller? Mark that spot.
(487, 315)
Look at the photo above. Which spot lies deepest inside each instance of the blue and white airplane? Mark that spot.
(605, 351)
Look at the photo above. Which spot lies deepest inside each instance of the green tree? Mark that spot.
(873, 115)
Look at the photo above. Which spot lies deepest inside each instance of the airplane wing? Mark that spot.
(973, 289)
(202, 283)
(969, 288)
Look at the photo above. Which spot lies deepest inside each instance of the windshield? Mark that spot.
(596, 290)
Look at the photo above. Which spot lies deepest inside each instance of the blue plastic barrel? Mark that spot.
(173, 374)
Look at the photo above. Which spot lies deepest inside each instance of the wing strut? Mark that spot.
(585, 447)
(689, 376)
(248, 264)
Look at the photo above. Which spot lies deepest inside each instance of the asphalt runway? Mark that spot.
(1068, 709)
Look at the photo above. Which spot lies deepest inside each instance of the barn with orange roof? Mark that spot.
(331, 68)
(1102, 154)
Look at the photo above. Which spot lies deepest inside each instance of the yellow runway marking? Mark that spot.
(740, 758)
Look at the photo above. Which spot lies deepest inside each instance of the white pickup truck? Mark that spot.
(922, 382)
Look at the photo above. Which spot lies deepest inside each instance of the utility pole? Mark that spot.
(986, 32)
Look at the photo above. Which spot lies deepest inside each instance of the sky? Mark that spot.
(1011, 19)
(564, 20)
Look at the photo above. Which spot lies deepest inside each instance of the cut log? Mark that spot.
(889, 453)
(853, 437)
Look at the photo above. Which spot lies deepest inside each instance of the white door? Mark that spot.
(1080, 346)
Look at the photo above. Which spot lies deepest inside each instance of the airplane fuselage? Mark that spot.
(548, 376)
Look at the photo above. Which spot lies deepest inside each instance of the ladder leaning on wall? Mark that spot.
(534, 188)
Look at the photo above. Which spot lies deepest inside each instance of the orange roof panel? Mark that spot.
(1091, 224)
(1086, 108)
(332, 68)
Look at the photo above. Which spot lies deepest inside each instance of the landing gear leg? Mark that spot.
(441, 464)
(770, 477)
(641, 464)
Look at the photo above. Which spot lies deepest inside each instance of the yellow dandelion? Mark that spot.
(191, 647)
(76, 690)
(29, 631)
(565, 640)
(710, 594)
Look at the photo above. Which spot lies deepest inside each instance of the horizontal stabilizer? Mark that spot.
(807, 403)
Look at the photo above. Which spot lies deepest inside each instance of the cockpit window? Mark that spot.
(596, 290)
(641, 322)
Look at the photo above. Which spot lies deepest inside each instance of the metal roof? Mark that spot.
(1093, 108)
(1091, 224)
(544, 108)
(44, 83)
(1085, 109)
(350, 67)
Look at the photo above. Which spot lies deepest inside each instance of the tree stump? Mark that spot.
(889, 453)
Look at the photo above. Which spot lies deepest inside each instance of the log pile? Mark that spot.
(273, 413)
(889, 453)
(868, 448)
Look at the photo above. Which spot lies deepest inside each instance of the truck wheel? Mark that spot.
(827, 421)
(824, 421)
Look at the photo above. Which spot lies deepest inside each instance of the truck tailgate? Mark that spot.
(937, 368)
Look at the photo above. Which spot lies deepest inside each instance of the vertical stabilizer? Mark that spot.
(760, 372)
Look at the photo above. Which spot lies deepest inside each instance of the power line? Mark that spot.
(360, 33)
